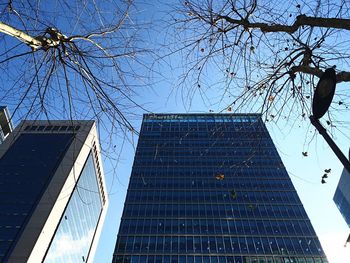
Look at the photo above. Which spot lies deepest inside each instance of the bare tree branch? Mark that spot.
(301, 20)
(266, 56)
(94, 53)
(21, 36)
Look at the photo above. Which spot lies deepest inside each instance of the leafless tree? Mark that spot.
(71, 59)
(267, 55)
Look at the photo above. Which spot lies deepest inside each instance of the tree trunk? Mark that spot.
(34, 43)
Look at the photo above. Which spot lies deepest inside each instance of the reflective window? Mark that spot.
(76, 229)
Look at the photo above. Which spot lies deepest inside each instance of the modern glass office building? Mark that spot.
(52, 192)
(212, 188)
(342, 196)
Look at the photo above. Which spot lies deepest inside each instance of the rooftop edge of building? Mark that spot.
(202, 114)
(236, 117)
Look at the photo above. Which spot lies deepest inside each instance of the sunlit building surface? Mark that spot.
(52, 192)
(342, 196)
(5, 123)
(212, 188)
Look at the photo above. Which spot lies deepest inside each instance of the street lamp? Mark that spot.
(324, 93)
(322, 100)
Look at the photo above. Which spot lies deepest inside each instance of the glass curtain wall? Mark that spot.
(212, 188)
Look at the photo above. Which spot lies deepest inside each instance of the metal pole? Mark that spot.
(331, 143)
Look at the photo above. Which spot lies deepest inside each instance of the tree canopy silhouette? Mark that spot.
(268, 55)
(70, 59)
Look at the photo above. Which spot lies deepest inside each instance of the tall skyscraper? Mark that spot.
(52, 192)
(342, 195)
(212, 188)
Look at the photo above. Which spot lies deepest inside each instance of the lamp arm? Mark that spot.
(331, 143)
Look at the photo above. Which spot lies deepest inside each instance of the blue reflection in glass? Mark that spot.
(76, 230)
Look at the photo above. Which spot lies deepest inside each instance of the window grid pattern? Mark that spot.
(342, 196)
(212, 188)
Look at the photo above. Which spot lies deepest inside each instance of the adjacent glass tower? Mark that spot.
(52, 192)
(212, 188)
(342, 196)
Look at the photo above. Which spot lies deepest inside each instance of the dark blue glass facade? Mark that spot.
(342, 196)
(212, 188)
(25, 170)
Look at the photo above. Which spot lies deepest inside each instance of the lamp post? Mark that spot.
(322, 100)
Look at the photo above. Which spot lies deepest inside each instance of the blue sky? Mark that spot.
(291, 137)
(305, 172)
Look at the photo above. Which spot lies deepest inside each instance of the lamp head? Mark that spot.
(324, 93)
